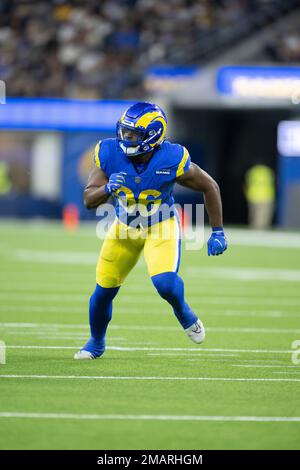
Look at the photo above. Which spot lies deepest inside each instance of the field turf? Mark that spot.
(153, 388)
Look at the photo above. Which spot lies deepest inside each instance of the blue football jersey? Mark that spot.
(147, 194)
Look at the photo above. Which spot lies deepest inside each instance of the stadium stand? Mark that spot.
(101, 49)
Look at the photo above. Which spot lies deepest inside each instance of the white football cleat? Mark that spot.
(82, 354)
(196, 332)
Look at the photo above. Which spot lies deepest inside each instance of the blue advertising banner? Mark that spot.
(259, 82)
(61, 114)
(288, 143)
(168, 77)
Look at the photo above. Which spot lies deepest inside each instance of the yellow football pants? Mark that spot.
(123, 246)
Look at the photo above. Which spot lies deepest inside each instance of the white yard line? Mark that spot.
(42, 347)
(88, 258)
(263, 351)
(254, 313)
(259, 361)
(237, 236)
(265, 366)
(200, 300)
(44, 309)
(37, 286)
(264, 238)
(51, 287)
(254, 330)
(69, 335)
(199, 354)
(86, 289)
(244, 274)
(121, 348)
(47, 334)
(159, 378)
(152, 299)
(61, 257)
(51, 327)
(33, 297)
(289, 371)
(133, 417)
(244, 301)
(75, 337)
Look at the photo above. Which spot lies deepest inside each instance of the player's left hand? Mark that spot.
(217, 243)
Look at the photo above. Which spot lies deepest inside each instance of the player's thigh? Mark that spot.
(162, 250)
(117, 257)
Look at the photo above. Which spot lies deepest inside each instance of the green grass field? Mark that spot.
(153, 388)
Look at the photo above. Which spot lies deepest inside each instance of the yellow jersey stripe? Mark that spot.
(180, 169)
(97, 158)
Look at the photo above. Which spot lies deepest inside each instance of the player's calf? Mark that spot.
(100, 313)
(171, 288)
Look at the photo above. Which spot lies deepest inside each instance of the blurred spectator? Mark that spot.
(284, 45)
(260, 195)
(98, 49)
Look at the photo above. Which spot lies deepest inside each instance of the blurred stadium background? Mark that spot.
(227, 74)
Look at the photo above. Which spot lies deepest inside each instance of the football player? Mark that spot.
(138, 169)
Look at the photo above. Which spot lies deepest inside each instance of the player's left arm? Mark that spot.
(197, 179)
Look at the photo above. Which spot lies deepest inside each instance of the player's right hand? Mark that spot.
(116, 180)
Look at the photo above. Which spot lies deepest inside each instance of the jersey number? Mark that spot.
(147, 203)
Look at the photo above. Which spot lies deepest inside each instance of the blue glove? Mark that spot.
(116, 180)
(217, 243)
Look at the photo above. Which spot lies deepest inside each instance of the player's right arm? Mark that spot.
(99, 187)
(95, 192)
